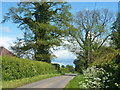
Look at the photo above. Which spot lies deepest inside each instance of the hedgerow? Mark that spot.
(17, 68)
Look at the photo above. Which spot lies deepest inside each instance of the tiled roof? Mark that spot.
(4, 51)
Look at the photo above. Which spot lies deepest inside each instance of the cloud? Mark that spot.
(64, 57)
(6, 41)
(6, 29)
(64, 54)
(86, 9)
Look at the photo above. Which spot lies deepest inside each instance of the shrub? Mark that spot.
(97, 78)
(111, 63)
(57, 66)
(102, 52)
(64, 70)
(70, 68)
(16, 68)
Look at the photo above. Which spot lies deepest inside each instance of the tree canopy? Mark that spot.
(43, 24)
(70, 68)
(116, 32)
(89, 31)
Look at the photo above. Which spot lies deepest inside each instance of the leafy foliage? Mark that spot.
(63, 66)
(43, 24)
(79, 64)
(57, 66)
(64, 70)
(99, 53)
(16, 68)
(70, 68)
(116, 33)
(111, 63)
(88, 32)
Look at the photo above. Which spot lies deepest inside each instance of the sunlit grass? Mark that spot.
(74, 83)
(20, 82)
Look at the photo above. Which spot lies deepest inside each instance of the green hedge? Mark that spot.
(17, 68)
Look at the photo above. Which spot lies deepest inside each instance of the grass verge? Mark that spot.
(20, 82)
(74, 83)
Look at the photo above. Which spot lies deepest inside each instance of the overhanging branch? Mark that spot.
(104, 41)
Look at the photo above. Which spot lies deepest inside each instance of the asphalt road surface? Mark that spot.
(54, 82)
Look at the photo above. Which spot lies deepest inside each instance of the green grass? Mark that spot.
(20, 82)
(74, 83)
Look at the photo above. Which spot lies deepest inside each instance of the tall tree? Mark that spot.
(45, 20)
(70, 68)
(89, 31)
(116, 33)
(79, 64)
(62, 66)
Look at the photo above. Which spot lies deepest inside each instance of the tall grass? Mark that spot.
(74, 83)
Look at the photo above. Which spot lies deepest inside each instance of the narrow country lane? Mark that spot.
(54, 82)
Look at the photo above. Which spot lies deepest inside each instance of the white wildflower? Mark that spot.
(116, 84)
(107, 86)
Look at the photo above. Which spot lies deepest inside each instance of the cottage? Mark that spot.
(4, 51)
